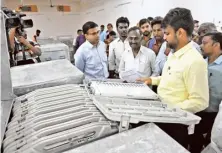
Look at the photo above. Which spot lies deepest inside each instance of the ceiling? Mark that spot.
(83, 4)
(53, 1)
(36, 2)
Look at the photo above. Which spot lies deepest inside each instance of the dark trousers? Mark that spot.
(25, 62)
(198, 140)
(74, 49)
(114, 76)
(154, 88)
(178, 132)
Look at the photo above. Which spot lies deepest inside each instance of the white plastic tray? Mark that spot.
(133, 111)
(124, 90)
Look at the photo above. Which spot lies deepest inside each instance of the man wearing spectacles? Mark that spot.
(91, 57)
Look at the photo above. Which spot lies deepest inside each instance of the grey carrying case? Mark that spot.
(28, 78)
(55, 119)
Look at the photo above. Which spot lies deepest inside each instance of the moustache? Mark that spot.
(146, 33)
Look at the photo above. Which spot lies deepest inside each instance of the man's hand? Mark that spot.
(147, 81)
(22, 40)
(13, 30)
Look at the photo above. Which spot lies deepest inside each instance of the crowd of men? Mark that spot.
(174, 53)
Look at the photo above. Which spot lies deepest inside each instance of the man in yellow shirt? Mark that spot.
(184, 81)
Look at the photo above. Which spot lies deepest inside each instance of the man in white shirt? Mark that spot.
(137, 58)
(117, 47)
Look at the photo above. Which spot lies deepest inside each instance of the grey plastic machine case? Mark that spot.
(216, 135)
(55, 119)
(46, 40)
(53, 49)
(28, 78)
(148, 138)
(54, 52)
(68, 40)
(133, 103)
(60, 118)
(6, 84)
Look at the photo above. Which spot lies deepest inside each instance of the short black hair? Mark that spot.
(112, 33)
(109, 24)
(134, 29)
(38, 31)
(88, 25)
(122, 20)
(207, 27)
(102, 26)
(79, 30)
(195, 21)
(156, 20)
(216, 37)
(143, 21)
(150, 18)
(179, 18)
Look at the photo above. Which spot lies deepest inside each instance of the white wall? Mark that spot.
(202, 10)
(53, 23)
(48, 20)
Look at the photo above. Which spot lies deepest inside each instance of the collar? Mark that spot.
(118, 39)
(91, 45)
(140, 51)
(155, 42)
(183, 50)
(218, 61)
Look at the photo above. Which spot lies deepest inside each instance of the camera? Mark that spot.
(14, 19)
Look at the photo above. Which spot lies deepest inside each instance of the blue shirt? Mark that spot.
(92, 60)
(215, 84)
(102, 36)
(160, 60)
